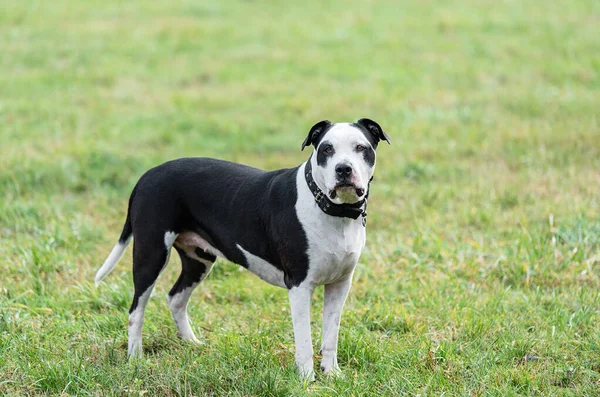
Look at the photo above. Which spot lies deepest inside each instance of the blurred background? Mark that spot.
(483, 244)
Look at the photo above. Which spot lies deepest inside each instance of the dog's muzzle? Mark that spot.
(348, 187)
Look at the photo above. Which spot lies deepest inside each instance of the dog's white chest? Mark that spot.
(334, 244)
(333, 259)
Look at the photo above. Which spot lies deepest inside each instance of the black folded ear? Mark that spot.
(374, 129)
(315, 132)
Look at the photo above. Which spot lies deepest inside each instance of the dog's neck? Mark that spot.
(353, 211)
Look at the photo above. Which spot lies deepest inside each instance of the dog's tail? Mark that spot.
(117, 252)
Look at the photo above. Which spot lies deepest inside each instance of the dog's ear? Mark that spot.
(315, 131)
(374, 129)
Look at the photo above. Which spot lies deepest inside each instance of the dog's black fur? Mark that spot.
(184, 195)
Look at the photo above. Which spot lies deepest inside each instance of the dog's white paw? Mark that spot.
(189, 337)
(134, 350)
(330, 367)
(306, 371)
(194, 340)
(333, 371)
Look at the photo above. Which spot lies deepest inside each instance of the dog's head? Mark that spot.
(344, 158)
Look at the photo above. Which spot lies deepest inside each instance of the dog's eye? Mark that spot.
(328, 149)
(360, 148)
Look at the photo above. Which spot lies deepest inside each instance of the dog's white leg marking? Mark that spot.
(136, 322)
(300, 299)
(170, 238)
(178, 304)
(136, 317)
(335, 296)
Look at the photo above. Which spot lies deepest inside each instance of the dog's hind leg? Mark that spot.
(195, 266)
(150, 256)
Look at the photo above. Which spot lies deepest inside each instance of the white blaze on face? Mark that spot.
(344, 139)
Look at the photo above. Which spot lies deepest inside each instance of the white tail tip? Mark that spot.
(113, 258)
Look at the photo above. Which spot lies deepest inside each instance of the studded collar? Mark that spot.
(353, 211)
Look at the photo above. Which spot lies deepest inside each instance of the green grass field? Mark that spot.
(481, 274)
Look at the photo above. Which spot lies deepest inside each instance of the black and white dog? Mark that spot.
(295, 228)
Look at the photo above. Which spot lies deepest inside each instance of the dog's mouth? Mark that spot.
(345, 189)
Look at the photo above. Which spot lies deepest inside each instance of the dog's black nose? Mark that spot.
(343, 169)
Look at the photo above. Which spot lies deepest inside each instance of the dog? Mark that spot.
(296, 228)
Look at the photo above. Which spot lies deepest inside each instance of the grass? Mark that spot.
(481, 274)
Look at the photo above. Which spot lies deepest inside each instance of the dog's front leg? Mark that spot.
(300, 299)
(335, 296)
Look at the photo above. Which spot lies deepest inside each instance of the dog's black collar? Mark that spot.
(352, 211)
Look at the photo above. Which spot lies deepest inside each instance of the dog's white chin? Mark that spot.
(346, 195)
